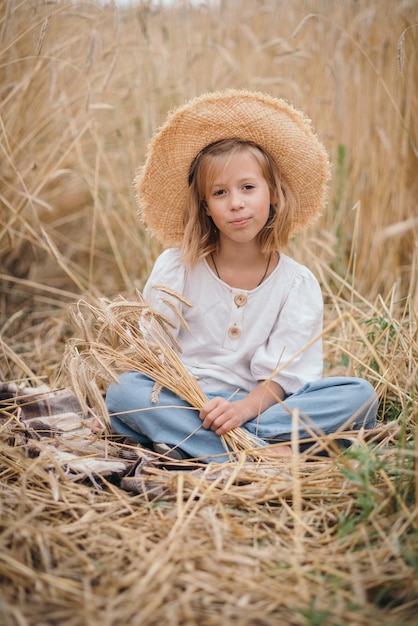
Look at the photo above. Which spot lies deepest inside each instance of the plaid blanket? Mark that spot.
(58, 408)
(51, 422)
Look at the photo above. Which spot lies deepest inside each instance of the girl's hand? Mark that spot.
(220, 415)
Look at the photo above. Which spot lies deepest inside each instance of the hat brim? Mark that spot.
(280, 129)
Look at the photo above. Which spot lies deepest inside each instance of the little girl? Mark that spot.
(227, 180)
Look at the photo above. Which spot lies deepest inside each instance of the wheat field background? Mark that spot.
(83, 86)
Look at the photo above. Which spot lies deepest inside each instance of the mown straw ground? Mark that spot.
(312, 540)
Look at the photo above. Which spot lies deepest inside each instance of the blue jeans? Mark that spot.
(324, 406)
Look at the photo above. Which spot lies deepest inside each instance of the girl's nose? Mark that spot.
(237, 201)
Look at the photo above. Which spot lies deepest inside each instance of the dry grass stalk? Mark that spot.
(121, 335)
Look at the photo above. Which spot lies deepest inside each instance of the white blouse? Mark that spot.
(235, 338)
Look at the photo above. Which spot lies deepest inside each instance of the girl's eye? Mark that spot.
(248, 186)
(219, 192)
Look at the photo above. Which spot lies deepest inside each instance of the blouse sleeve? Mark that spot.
(291, 357)
(168, 272)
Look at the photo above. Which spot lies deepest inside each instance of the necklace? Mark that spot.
(258, 284)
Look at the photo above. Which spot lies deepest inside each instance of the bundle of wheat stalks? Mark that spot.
(127, 335)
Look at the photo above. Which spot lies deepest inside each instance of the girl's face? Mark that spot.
(238, 199)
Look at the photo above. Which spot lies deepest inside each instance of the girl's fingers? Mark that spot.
(96, 427)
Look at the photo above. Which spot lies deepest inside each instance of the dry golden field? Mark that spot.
(331, 541)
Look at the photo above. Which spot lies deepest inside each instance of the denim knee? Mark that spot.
(366, 401)
(117, 393)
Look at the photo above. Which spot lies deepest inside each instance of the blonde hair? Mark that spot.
(200, 234)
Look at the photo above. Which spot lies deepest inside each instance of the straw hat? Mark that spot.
(284, 132)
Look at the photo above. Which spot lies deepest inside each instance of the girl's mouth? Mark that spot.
(241, 222)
